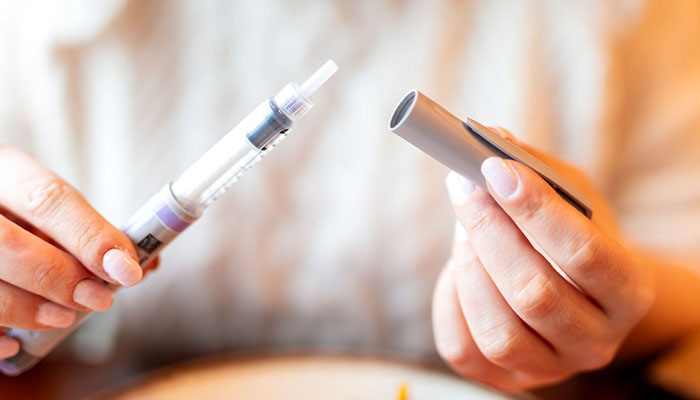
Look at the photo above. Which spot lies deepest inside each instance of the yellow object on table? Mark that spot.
(403, 390)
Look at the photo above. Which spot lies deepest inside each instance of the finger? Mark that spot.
(8, 346)
(568, 171)
(453, 340)
(595, 261)
(604, 215)
(24, 310)
(552, 161)
(499, 333)
(152, 266)
(530, 286)
(38, 267)
(558, 165)
(505, 133)
(50, 204)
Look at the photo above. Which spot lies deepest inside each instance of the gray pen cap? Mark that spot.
(463, 146)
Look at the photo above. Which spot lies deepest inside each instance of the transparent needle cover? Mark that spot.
(246, 143)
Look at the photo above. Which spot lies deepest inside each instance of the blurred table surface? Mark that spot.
(301, 377)
(294, 375)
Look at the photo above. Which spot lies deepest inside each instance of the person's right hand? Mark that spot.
(535, 292)
(56, 251)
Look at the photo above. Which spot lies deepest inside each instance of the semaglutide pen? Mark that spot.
(181, 202)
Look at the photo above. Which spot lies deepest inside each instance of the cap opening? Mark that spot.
(403, 109)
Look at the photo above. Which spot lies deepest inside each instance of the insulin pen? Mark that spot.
(181, 202)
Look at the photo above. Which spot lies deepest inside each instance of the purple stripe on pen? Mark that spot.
(126, 230)
(171, 220)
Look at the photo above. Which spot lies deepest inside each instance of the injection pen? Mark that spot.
(181, 202)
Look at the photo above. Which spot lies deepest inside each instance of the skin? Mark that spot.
(51, 241)
(504, 316)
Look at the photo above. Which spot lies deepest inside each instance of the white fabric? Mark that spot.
(336, 239)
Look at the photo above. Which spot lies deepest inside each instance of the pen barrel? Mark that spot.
(156, 224)
(150, 229)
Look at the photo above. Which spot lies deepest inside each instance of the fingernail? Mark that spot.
(460, 235)
(451, 265)
(8, 347)
(93, 295)
(458, 188)
(51, 314)
(119, 265)
(500, 177)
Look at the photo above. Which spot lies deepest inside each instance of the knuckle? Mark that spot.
(45, 196)
(482, 221)
(464, 364)
(11, 238)
(529, 206)
(597, 356)
(501, 351)
(586, 257)
(537, 297)
(89, 234)
(48, 274)
(499, 345)
(455, 356)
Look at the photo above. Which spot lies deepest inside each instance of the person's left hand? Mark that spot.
(502, 314)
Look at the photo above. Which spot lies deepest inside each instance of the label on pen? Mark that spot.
(156, 224)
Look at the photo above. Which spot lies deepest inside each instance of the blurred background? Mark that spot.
(334, 243)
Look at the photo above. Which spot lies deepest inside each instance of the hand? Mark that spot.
(502, 314)
(56, 251)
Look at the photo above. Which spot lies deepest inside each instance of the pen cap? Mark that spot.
(431, 128)
(463, 146)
